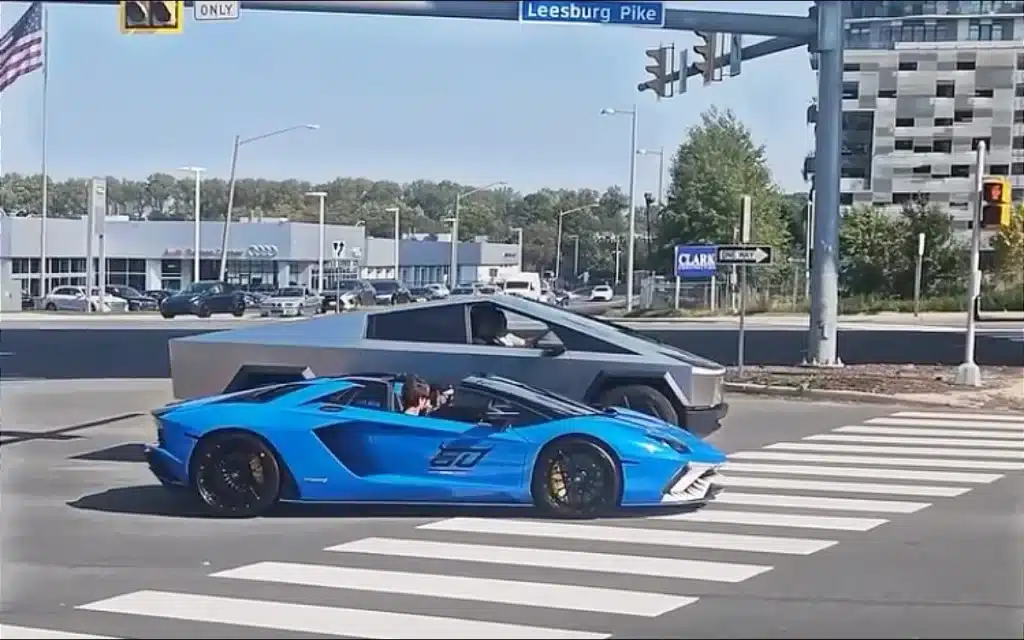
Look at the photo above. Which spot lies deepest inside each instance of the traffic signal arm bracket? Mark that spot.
(752, 52)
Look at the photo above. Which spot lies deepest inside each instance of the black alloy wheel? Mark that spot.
(236, 475)
(576, 478)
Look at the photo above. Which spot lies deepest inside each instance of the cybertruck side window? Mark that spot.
(440, 325)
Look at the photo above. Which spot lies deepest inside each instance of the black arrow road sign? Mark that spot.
(744, 254)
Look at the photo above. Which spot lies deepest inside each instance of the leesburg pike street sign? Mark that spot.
(744, 254)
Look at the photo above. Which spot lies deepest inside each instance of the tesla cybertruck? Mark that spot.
(586, 359)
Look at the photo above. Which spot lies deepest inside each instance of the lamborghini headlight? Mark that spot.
(675, 445)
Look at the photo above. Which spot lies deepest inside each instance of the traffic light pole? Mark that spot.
(968, 374)
(822, 348)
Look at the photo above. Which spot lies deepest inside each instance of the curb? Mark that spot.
(837, 394)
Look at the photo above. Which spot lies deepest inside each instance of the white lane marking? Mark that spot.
(927, 415)
(862, 472)
(530, 594)
(938, 433)
(12, 632)
(993, 465)
(816, 502)
(942, 442)
(760, 519)
(556, 559)
(633, 535)
(957, 424)
(846, 487)
(304, 618)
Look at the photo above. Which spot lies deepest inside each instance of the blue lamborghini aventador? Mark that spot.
(496, 442)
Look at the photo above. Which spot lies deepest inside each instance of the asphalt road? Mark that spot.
(832, 524)
(72, 348)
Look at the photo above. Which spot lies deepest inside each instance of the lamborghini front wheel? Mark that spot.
(576, 478)
(235, 474)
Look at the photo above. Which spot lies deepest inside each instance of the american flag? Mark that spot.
(21, 48)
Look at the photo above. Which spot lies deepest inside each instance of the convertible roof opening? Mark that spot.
(551, 403)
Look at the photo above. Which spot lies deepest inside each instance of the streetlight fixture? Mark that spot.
(519, 234)
(558, 240)
(398, 235)
(196, 237)
(239, 141)
(453, 276)
(631, 244)
(321, 232)
(661, 169)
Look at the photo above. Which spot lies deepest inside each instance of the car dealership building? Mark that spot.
(160, 254)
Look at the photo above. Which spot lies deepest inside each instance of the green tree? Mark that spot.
(1009, 248)
(714, 167)
(869, 253)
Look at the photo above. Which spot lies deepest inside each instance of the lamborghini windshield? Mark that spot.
(551, 401)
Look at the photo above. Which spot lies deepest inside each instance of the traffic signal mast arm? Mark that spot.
(752, 52)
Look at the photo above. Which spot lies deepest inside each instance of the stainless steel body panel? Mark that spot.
(337, 344)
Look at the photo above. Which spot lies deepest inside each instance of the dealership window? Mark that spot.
(170, 275)
(252, 273)
(124, 271)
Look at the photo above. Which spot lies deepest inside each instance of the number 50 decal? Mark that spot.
(457, 457)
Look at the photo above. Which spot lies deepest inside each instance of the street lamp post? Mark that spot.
(398, 235)
(661, 169)
(631, 243)
(239, 141)
(558, 238)
(196, 235)
(321, 233)
(453, 276)
(519, 241)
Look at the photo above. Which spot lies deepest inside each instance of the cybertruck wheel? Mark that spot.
(576, 478)
(236, 475)
(642, 398)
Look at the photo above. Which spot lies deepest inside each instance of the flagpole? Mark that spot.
(43, 271)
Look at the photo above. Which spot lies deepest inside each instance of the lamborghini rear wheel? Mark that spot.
(576, 478)
(236, 475)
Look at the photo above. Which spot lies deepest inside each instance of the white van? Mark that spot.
(525, 285)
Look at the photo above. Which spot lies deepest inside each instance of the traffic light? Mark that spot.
(155, 16)
(660, 71)
(995, 202)
(708, 52)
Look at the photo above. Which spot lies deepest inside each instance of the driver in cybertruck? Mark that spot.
(490, 327)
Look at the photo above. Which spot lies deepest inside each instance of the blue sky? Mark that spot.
(396, 98)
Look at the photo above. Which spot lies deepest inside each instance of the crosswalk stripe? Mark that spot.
(862, 472)
(633, 535)
(556, 559)
(959, 416)
(760, 519)
(530, 594)
(842, 446)
(943, 442)
(959, 424)
(848, 487)
(995, 465)
(939, 433)
(12, 632)
(816, 502)
(284, 616)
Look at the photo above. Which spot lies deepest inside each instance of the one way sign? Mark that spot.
(744, 254)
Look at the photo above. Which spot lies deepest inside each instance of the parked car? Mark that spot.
(74, 299)
(390, 292)
(437, 291)
(290, 301)
(464, 290)
(136, 301)
(203, 299)
(159, 294)
(346, 295)
(419, 294)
